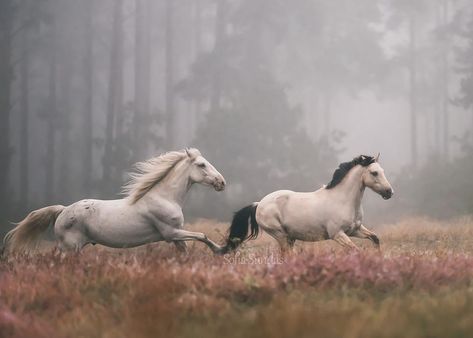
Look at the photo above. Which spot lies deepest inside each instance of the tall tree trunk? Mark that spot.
(471, 108)
(413, 88)
(445, 93)
(89, 97)
(65, 129)
(24, 115)
(142, 77)
(114, 97)
(312, 111)
(169, 85)
(6, 14)
(438, 91)
(328, 112)
(219, 37)
(52, 114)
(197, 48)
(120, 148)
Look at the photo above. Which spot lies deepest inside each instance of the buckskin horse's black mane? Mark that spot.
(345, 167)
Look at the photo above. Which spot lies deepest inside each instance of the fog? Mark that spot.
(274, 93)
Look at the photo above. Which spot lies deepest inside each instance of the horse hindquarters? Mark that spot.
(69, 230)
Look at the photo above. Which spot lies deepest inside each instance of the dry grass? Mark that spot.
(420, 286)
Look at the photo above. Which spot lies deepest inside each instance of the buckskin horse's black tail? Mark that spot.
(240, 227)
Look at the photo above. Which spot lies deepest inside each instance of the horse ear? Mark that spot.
(377, 157)
(192, 153)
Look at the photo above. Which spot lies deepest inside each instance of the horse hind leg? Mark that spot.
(178, 235)
(70, 239)
(286, 244)
(71, 243)
(181, 246)
(345, 241)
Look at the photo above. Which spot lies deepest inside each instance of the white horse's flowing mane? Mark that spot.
(150, 172)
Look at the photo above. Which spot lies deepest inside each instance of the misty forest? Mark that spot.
(108, 102)
(274, 93)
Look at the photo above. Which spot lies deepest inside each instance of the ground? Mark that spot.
(420, 285)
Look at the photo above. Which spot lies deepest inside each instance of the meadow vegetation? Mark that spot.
(419, 285)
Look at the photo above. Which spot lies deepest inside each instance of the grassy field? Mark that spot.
(419, 286)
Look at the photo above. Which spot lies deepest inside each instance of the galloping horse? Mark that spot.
(332, 212)
(151, 212)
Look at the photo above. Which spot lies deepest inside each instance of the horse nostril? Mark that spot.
(219, 184)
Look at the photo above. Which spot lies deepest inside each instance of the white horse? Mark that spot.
(151, 212)
(332, 212)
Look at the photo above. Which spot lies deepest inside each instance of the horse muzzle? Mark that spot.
(387, 194)
(219, 185)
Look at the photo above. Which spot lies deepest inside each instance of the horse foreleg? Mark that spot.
(345, 241)
(286, 244)
(363, 232)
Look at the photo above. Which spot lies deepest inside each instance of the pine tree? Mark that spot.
(261, 145)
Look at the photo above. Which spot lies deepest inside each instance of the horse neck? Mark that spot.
(175, 185)
(351, 189)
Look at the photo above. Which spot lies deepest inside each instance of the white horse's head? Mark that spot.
(373, 177)
(203, 172)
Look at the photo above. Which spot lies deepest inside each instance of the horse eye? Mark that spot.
(201, 165)
(374, 173)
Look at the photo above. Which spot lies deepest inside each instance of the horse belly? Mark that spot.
(123, 236)
(110, 223)
(121, 229)
(309, 233)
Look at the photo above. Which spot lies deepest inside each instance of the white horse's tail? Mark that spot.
(26, 234)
